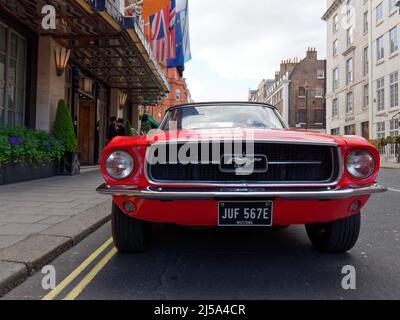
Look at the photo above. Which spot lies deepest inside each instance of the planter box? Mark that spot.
(21, 172)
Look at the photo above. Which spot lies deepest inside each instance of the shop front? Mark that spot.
(89, 62)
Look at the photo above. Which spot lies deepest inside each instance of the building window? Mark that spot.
(12, 77)
(349, 71)
(349, 36)
(335, 47)
(392, 6)
(178, 94)
(319, 93)
(394, 89)
(394, 128)
(335, 23)
(319, 116)
(349, 9)
(380, 48)
(394, 44)
(365, 62)
(365, 22)
(335, 132)
(379, 13)
(335, 79)
(365, 130)
(335, 108)
(380, 93)
(301, 116)
(302, 92)
(366, 96)
(349, 102)
(321, 74)
(381, 130)
(350, 130)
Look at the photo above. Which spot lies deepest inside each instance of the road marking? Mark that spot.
(394, 190)
(91, 275)
(74, 274)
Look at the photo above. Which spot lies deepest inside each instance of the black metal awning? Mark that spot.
(102, 41)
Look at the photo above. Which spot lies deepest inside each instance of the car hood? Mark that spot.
(294, 136)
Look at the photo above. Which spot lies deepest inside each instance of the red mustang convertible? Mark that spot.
(238, 165)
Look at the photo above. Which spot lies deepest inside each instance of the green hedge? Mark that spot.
(28, 146)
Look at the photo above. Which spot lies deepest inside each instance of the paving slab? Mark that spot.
(22, 229)
(78, 227)
(6, 241)
(21, 218)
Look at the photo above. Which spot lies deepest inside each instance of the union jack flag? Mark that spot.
(162, 26)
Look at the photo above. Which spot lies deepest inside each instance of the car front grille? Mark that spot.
(287, 164)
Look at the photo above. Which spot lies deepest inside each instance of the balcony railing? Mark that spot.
(390, 152)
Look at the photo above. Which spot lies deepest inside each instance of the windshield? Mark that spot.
(221, 116)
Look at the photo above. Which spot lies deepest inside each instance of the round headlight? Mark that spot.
(119, 165)
(360, 164)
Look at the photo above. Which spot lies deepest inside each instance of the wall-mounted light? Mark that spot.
(123, 97)
(61, 59)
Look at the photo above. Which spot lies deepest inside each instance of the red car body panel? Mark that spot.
(205, 212)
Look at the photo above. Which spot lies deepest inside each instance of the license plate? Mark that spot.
(242, 213)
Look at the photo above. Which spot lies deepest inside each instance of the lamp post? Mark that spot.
(306, 88)
(398, 5)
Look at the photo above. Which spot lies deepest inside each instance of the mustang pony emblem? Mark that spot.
(244, 162)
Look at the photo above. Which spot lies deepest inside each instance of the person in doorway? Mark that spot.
(112, 129)
(121, 130)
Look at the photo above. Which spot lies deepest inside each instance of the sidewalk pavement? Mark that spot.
(41, 219)
(390, 165)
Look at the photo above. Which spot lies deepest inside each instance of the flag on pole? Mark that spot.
(151, 7)
(182, 36)
(162, 33)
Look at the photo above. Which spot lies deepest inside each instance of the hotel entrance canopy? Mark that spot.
(110, 46)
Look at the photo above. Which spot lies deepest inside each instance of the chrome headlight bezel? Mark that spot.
(119, 165)
(360, 164)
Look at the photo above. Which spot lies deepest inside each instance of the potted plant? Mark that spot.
(64, 132)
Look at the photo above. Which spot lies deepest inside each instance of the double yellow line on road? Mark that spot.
(77, 290)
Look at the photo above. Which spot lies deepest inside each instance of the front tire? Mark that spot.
(337, 236)
(130, 235)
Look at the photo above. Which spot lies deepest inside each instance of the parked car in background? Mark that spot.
(238, 165)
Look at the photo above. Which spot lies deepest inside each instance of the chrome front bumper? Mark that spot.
(241, 193)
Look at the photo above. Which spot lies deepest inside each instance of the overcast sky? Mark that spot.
(236, 43)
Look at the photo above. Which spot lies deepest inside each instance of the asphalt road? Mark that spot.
(187, 263)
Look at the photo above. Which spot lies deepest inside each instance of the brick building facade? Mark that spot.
(179, 94)
(298, 92)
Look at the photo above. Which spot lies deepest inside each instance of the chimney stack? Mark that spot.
(312, 54)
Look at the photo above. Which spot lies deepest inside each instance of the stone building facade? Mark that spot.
(363, 66)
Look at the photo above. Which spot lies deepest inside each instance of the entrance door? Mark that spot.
(86, 130)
